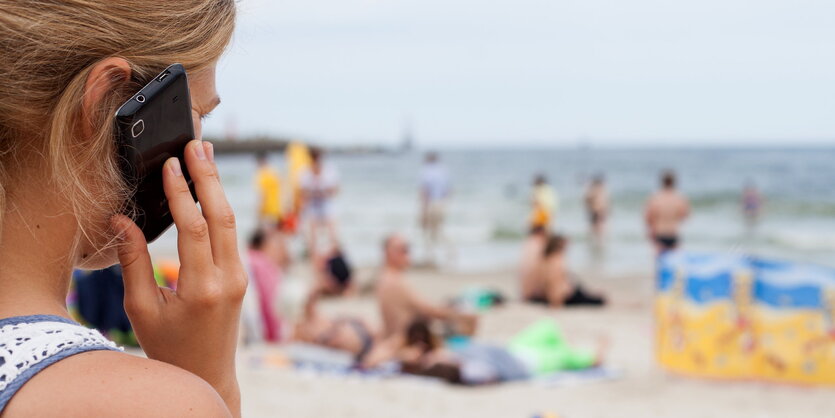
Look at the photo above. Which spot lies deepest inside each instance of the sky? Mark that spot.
(531, 72)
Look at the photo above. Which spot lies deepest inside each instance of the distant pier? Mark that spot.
(251, 146)
(268, 145)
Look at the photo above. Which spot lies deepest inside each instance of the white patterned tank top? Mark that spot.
(28, 344)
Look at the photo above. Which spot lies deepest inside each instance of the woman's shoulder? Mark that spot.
(99, 383)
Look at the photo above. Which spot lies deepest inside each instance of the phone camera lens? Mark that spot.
(140, 98)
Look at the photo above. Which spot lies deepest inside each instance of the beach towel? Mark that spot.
(315, 359)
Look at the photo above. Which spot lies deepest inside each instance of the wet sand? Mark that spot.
(644, 389)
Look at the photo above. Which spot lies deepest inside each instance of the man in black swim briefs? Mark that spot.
(666, 243)
(666, 210)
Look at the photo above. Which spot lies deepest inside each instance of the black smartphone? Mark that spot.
(153, 126)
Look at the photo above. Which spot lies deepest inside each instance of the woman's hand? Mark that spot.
(195, 327)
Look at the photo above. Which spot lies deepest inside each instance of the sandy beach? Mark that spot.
(643, 388)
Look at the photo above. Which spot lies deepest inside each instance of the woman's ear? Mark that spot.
(106, 76)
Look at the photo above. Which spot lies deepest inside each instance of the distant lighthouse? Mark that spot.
(407, 142)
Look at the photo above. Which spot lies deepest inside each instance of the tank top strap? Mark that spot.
(29, 344)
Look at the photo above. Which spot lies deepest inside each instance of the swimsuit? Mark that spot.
(362, 332)
(666, 242)
(365, 336)
(29, 344)
(578, 297)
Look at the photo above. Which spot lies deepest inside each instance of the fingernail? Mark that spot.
(199, 151)
(210, 150)
(174, 166)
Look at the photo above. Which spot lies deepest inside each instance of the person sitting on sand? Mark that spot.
(532, 248)
(334, 275)
(540, 349)
(267, 259)
(547, 281)
(665, 212)
(348, 333)
(400, 304)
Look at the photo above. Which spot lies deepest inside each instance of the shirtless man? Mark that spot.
(400, 304)
(665, 212)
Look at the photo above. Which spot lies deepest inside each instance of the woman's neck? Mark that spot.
(36, 257)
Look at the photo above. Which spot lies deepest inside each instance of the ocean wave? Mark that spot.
(779, 204)
(810, 241)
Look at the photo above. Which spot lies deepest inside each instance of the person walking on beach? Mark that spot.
(544, 203)
(434, 192)
(319, 185)
(665, 211)
(268, 184)
(597, 207)
(400, 304)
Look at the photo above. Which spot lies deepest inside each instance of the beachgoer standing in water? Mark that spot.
(752, 202)
(597, 206)
(268, 183)
(544, 204)
(434, 192)
(665, 212)
(319, 185)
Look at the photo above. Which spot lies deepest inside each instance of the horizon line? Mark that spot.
(581, 143)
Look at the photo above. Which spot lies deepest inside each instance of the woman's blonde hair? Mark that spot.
(48, 48)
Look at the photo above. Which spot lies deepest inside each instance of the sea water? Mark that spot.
(490, 203)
